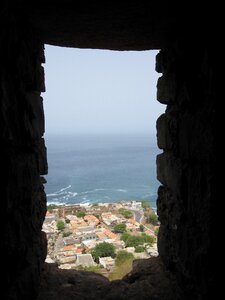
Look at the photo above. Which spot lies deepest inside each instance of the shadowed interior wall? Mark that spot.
(186, 168)
(23, 159)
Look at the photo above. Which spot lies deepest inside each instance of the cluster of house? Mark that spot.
(72, 247)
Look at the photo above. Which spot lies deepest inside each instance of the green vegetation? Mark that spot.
(67, 233)
(141, 227)
(60, 225)
(136, 240)
(120, 228)
(96, 269)
(67, 221)
(81, 214)
(124, 237)
(50, 207)
(124, 264)
(148, 239)
(156, 231)
(123, 256)
(153, 219)
(95, 204)
(96, 215)
(139, 249)
(102, 250)
(121, 210)
(145, 204)
(126, 213)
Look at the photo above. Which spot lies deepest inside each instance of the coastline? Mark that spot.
(89, 203)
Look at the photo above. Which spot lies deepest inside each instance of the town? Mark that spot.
(102, 237)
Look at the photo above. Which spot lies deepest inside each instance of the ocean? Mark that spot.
(97, 168)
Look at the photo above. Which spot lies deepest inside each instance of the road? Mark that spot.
(138, 215)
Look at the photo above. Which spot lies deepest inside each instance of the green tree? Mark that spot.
(67, 233)
(123, 256)
(139, 249)
(124, 236)
(81, 214)
(50, 207)
(120, 228)
(141, 227)
(60, 225)
(102, 250)
(95, 204)
(145, 204)
(126, 213)
(121, 210)
(153, 219)
(134, 241)
(67, 221)
(156, 231)
(149, 239)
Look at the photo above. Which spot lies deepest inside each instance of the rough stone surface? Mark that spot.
(187, 202)
(186, 167)
(23, 159)
(148, 280)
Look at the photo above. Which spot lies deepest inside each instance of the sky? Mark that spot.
(100, 91)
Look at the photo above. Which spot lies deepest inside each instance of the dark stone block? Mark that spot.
(169, 171)
(42, 158)
(166, 89)
(166, 131)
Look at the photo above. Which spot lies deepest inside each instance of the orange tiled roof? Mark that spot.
(109, 233)
(101, 235)
(68, 253)
(78, 250)
(132, 221)
(112, 235)
(68, 248)
(91, 219)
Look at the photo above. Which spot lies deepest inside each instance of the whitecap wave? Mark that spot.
(62, 196)
(63, 189)
(92, 191)
(86, 202)
(56, 203)
(121, 190)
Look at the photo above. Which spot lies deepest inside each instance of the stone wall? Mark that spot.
(187, 204)
(186, 168)
(23, 157)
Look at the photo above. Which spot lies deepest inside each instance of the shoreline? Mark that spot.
(88, 204)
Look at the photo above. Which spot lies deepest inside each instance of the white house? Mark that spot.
(107, 262)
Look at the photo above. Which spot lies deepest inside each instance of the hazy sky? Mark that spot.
(100, 91)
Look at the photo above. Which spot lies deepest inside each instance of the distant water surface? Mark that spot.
(89, 169)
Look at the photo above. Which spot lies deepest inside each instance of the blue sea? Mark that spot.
(98, 168)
